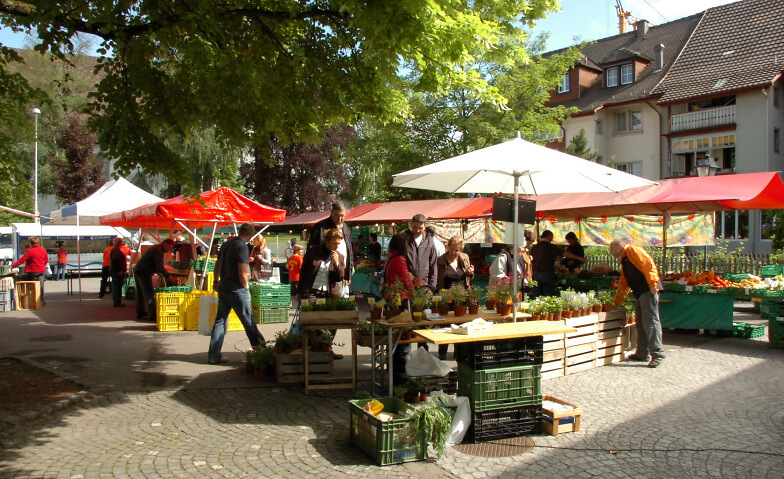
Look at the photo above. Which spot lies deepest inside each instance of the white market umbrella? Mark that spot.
(517, 167)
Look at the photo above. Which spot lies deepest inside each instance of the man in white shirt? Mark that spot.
(439, 245)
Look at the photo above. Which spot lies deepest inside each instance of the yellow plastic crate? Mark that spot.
(207, 283)
(169, 302)
(191, 318)
(169, 322)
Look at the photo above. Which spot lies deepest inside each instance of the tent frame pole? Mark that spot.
(514, 248)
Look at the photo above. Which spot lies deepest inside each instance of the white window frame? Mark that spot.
(635, 125)
(627, 71)
(618, 123)
(634, 167)
(564, 86)
(615, 79)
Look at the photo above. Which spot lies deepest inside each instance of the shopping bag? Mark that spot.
(295, 326)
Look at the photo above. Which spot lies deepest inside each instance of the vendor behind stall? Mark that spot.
(544, 254)
(150, 263)
(454, 267)
(574, 255)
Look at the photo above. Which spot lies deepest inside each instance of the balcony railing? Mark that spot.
(693, 120)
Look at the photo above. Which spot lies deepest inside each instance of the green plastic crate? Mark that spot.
(735, 277)
(776, 332)
(198, 265)
(500, 387)
(5, 269)
(271, 314)
(770, 270)
(746, 330)
(677, 287)
(387, 442)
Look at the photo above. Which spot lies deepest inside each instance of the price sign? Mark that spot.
(371, 301)
(436, 299)
(321, 301)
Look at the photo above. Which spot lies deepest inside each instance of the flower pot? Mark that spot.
(550, 316)
(490, 303)
(503, 308)
(260, 374)
(325, 348)
(278, 349)
(630, 320)
(597, 308)
(566, 314)
(443, 310)
(557, 316)
(606, 308)
(536, 317)
(423, 397)
(249, 368)
(315, 347)
(388, 313)
(417, 315)
(460, 311)
(376, 313)
(473, 309)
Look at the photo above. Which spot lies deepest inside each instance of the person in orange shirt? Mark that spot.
(62, 260)
(639, 274)
(105, 270)
(294, 265)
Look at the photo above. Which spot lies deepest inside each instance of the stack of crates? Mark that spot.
(169, 309)
(503, 382)
(6, 292)
(198, 265)
(270, 302)
(190, 310)
(776, 332)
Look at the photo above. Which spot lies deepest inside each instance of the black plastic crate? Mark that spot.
(499, 354)
(447, 383)
(502, 423)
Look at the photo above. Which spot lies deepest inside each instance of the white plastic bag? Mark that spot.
(462, 418)
(422, 363)
(205, 306)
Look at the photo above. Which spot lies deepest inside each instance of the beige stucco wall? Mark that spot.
(752, 138)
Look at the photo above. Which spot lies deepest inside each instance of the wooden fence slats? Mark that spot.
(678, 263)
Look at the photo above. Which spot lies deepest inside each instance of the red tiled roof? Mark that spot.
(735, 47)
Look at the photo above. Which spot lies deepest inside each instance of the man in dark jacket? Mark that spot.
(421, 256)
(150, 263)
(544, 253)
(118, 266)
(335, 220)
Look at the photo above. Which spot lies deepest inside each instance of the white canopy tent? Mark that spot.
(517, 167)
(112, 197)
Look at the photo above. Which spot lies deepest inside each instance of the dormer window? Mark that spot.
(627, 74)
(619, 75)
(564, 86)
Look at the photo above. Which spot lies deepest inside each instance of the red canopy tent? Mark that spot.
(222, 206)
(401, 211)
(744, 191)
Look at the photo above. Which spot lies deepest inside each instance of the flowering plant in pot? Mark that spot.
(393, 294)
(262, 359)
(537, 308)
(501, 291)
(605, 298)
(284, 342)
(474, 296)
(459, 298)
(446, 301)
(555, 306)
(375, 310)
(420, 298)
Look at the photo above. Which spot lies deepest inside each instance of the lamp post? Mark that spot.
(707, 166)
(36, 112)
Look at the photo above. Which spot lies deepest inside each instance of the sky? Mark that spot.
(595, 19)
(587, 19)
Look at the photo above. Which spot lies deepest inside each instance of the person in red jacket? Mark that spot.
(396, 266)
(62, 261)
(35, 260)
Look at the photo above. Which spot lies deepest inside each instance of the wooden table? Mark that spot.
(499, 332)
(340, 321)
(381, 355)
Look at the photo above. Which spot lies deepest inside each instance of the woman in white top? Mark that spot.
(261, 259)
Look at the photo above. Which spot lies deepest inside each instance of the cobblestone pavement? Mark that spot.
(712, 409)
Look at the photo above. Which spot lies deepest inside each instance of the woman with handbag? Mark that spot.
(261, 259)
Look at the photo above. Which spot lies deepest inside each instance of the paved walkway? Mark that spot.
(713, 409)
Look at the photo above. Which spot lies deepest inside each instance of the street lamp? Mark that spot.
(707, 166)
(36, 112)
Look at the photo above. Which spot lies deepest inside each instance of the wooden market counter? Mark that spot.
(499, 331)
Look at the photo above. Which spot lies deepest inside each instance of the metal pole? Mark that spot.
(36, 112)
(514, 250)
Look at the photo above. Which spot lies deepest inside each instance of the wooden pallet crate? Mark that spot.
(289, 368)
(28, 295)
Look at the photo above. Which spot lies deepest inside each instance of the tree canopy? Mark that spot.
(249, 69)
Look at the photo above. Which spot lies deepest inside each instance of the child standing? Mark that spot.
(294, 265)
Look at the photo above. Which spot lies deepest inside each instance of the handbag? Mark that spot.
(48, 270)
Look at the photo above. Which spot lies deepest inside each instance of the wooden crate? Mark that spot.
(28, 295)
(555, 427)
(555, 373)
(328, 317)
(289, 368)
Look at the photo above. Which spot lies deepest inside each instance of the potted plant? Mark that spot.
(262, 359)
(474, 296)
(605, 298)
(502, 293)
(375, 310)
(412, 390)
(424, 388)
(556, 306)
(445, 302)
(399, 391)
(459, 299)
(284, 344)
(420, 298)
(393, 295)
(537, 307)
(366, 333)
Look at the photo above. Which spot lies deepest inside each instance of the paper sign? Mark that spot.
(321, 301)
(688, 289)
(352, 298)
(712, 291)
(381, 302)
(436, 299)
(747, 290)
(371, 301)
